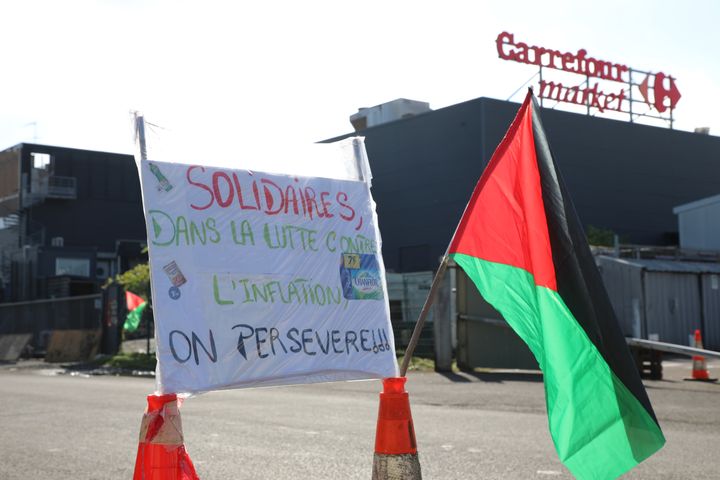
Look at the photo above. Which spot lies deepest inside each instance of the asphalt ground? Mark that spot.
(469, 425)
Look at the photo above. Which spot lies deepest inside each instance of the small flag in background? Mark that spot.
(521, 243)
(135, 307)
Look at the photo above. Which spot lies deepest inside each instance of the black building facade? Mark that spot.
(622, 176)
(70, 219)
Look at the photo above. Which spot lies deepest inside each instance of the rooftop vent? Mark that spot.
(387, 112)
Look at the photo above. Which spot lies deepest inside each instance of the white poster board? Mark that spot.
(262, 279)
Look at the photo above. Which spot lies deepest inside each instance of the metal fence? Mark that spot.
(407, 293)
(41, 317)
(664, 300)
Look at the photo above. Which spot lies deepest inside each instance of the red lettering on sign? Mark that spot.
(201, 186)
(269, 197)
(218, 192)
(341, 198)
(325, 204)
(241, 200)
(272, 190)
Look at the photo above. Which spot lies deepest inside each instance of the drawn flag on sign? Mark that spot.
(521, 243)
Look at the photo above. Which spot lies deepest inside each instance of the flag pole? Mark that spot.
(437, 280)
(439, 275)
(436, 283)
(142, 146)
(358, 148)
(140, 135)
(357, 151)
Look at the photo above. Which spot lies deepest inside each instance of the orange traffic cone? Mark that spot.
(161, 453)
(699, 368)
(396, 455)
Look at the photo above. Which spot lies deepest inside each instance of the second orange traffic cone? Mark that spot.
(396, 456)
(699, 368)
(161, 452)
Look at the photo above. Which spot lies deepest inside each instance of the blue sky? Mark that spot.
(232, 80)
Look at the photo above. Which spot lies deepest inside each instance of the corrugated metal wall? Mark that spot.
(624, 286)
(711, 311)
(661, 300)
(672, 305)
(407, 293)
(484, 339)
(664, 305)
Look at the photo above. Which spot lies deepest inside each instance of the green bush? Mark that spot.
(600, 236)
(136, 280)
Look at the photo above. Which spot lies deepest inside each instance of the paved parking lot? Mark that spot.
(480, 425)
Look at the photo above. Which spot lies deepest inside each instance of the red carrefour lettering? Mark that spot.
(503, 39)
(580, 62)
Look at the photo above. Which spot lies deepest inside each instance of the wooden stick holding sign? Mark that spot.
(437, 281)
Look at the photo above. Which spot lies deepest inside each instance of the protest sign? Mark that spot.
(261, 279)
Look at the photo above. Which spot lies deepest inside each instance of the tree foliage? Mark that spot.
(136, 280)
(600, 236)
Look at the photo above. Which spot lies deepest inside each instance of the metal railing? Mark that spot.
(41, 317)
(671, 348)
(62, 187)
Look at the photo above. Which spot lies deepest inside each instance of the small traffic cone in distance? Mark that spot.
(396, 456)
(161, 453)
(699, 368)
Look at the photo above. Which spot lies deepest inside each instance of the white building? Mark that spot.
(699, 224)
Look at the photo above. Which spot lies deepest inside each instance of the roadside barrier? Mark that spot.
(161, 450)
(699, 367)
(396, 456)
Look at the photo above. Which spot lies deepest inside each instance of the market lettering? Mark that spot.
(509, 49)
(582, 96)
(270, 341)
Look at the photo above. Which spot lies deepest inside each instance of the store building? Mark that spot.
(69, 219)
(699, 224)
(622, 176)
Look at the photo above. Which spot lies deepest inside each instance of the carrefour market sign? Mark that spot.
(658, 90)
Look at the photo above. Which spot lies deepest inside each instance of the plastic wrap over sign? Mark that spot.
(261, 279)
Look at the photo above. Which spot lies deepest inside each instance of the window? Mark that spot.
(41, 160)
(78, 267)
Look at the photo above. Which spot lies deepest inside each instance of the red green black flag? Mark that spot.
(522, 244)
(135, 307)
